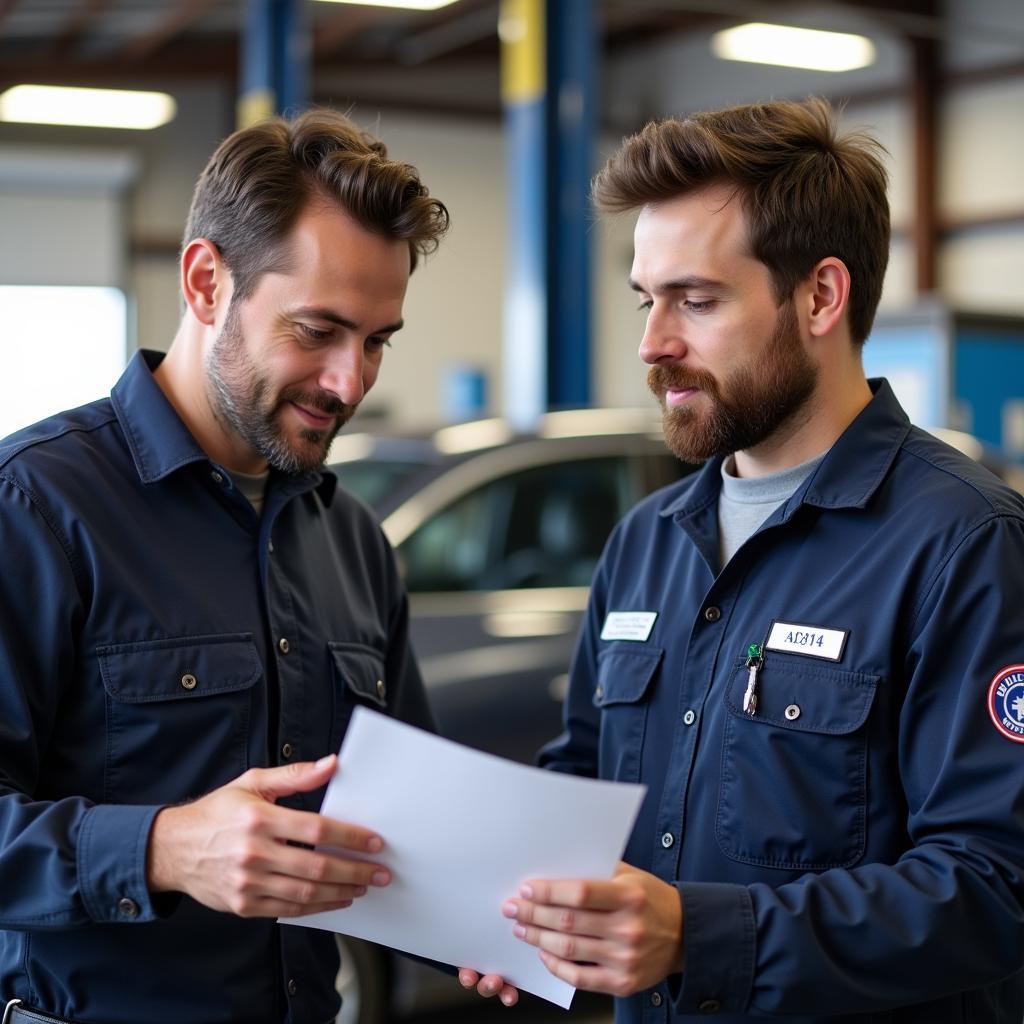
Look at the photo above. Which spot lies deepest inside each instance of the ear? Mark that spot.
(827, 295)
(204, 279)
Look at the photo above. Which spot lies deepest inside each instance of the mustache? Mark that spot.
(322, 401)
(677, 378)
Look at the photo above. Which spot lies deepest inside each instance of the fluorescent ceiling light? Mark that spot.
(791, 47)
(408, 5)
(94, 108)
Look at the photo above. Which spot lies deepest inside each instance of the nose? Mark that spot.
(343, 372)
(662, 341)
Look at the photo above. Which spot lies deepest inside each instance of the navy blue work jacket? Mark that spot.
(853, 850)
(145, 613)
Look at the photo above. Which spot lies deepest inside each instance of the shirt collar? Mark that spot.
(159, 441)
(847, 477)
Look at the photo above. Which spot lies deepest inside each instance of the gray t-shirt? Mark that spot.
(253, 486)
(746, 502)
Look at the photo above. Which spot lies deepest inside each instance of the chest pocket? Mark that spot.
(793, 790)
(358, 679)
(624, 676)
(178, 714)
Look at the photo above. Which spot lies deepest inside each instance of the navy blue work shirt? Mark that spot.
(853, 850)
(145, 613)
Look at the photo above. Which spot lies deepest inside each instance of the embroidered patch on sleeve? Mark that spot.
(1006, 702)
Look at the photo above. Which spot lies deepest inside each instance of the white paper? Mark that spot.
(461, 831)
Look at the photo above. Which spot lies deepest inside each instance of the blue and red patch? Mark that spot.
(1006, 702)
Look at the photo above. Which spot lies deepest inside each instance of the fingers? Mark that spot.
(586, 893)
(489, 985)
(583, 976)
(315, 830)
(566, 947)
(559, 919)
(300, 777)
(318, 868)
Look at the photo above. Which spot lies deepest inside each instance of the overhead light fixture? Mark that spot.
(405, 5)
(791, 47)
(89, 108)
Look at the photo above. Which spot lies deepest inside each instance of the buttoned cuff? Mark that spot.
(112, 848)
(719, 940)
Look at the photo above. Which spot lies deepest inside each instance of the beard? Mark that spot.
(242, 400)
(748, 407)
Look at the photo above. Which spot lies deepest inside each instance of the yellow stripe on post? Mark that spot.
(253, 107)
(521, 30)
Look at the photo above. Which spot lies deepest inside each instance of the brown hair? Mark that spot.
(261, 178)
(808, 192)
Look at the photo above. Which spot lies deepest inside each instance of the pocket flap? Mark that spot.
(624, 673)
(805, 698)
(361, 669)
(179, 668)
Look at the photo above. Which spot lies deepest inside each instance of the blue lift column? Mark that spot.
(275, 60)
(571, 58)
(548, 60)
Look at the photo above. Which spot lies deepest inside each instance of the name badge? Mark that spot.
(628, 626)
(814, 641)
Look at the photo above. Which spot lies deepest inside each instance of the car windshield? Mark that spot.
(373, 480)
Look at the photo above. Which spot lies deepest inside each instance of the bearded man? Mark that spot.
(191, 610)
(811, 650)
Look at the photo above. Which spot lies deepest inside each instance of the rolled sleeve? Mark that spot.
(720, 941)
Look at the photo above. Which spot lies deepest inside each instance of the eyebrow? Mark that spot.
(689, 283)
(322, 313)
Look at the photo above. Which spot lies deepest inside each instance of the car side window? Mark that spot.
(541, 527)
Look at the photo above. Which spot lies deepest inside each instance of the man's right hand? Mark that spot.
(230, 849)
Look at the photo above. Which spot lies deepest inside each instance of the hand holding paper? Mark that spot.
(462, 831)
(628, 932)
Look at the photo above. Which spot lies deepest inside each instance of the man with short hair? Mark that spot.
(191, 610)
(811, 651)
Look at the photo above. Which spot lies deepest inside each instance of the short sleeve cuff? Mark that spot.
(719, 943)
(112, 849)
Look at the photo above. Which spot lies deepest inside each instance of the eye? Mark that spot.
(376, 343)
(699, 305)
(314, 333)
(645, 305)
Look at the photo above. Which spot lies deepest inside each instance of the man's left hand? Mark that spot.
(618, 937)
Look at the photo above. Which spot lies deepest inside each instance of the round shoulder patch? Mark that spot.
(1006, 702)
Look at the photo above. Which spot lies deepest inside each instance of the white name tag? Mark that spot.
(814, 641)
(628, 626)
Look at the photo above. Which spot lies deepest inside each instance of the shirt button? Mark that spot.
(216, 477)
(667, 839)
(380, 688)
(286, 750)
(189, 681)
(270, 546)
(655, 999)
(283, 646)
(712, 614)
(599, 692)
(709, 1006)
(127, 907)
(792, 712)
(689, 718)
(293, 988)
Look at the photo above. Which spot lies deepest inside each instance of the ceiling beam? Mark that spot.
(335, 32)
(178, 20)
(75, 26)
